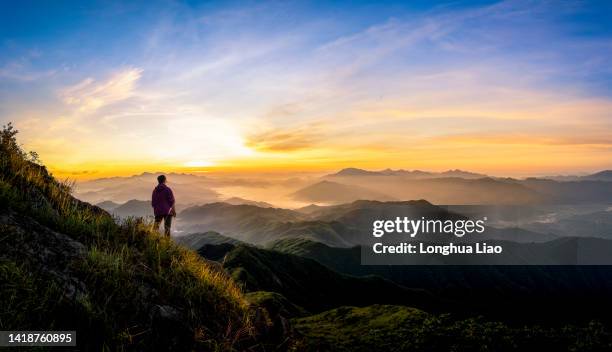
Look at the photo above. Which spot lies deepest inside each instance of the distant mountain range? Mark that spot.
(605, 175)
(455, 187)
(258, 225)
(240, 201)
(339, 226)
(334, 192)
(108, 205)
(593, 224)
(133, 207)
(450, 190)
(190, 189)
(570, 192)
(350, 184)
(407, 173)
(143, 208)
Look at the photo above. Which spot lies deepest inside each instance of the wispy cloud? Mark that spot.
(89, 95)
(19, 72)
(22, 69)
(287, 139)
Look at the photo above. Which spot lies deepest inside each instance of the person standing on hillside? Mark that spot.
(162, 201)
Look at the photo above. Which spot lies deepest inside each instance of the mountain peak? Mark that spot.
(351, 171)
(604, 173)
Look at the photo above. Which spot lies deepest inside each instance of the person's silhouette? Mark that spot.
(162, 201)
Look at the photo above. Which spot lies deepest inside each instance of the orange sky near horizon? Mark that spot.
(512, 158)
(518, 133)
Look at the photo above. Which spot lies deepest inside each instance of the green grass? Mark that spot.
(25, 299)
(399, 328)
(310, 285)
(126, 269)
(275, 303)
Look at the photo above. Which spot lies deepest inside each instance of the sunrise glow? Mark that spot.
(275, 87)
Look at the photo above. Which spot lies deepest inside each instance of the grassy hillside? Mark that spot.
(67, 265)
(280, 281)
(197, 240)
(397, 328)
(309, 284)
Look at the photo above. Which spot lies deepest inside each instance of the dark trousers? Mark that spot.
(167, 223)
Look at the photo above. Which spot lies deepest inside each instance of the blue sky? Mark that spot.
(97, 86)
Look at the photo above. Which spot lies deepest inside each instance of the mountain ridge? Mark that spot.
(120, 285)
(351, 171)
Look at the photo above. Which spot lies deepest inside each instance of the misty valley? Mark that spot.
(305, 259)
(243, 273)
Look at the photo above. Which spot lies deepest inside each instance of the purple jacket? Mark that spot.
(162, 200)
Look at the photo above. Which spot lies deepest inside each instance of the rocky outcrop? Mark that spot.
(50, 253)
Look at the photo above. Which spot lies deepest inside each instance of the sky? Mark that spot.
(506, 88)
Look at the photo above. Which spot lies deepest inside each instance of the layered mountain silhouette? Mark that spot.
(337, 226)
(240, 201)
(343, 225)
(571, 192)
(134, 207)
(190, 189)
(438, 190)
(452, 187)
(605, 175)
(595, 224)
(257, 225)
(306, 282)
(334, 192)
(415, 174)
(460, 187)
(108, 205)
(362, 213)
